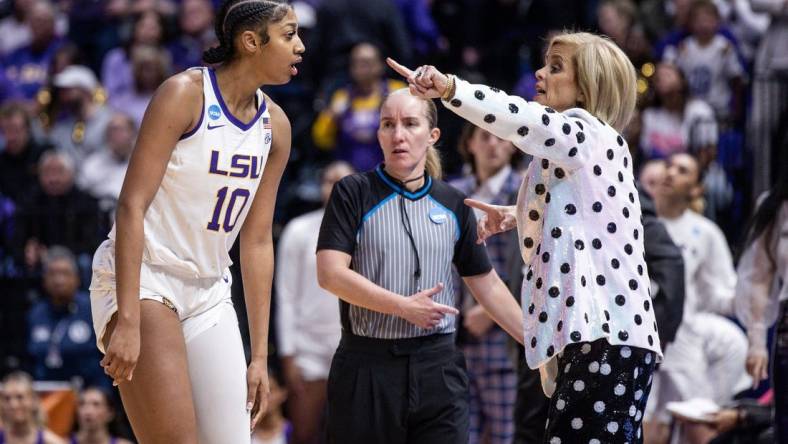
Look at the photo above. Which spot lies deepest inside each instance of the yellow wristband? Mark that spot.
(451, 88)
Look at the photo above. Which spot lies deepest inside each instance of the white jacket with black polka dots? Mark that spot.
(579, 223)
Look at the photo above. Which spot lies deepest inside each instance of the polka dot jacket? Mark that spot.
(579, 224)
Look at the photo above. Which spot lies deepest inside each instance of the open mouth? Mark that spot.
(399, 151)
(293, 68)
(539, 91)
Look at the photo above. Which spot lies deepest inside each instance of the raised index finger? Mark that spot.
(473, 203)
(402, 70)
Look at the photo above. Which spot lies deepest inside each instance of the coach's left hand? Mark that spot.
(257, 390)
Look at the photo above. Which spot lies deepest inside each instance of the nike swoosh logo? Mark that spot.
(214, 126)
(225, 277)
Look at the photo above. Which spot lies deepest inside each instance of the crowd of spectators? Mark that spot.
(76, 77)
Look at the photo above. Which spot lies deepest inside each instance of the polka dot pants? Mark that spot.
(601, 393)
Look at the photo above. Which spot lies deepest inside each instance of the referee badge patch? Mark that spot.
(438, 215)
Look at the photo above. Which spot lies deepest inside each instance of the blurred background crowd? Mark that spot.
(77, 75)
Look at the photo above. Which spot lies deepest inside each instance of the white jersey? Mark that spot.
(208, 188)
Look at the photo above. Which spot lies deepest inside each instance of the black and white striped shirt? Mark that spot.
(367, 217)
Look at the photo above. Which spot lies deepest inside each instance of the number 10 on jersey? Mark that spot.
(229, 221)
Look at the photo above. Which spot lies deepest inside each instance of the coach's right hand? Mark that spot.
(420, 310)
(122, 352)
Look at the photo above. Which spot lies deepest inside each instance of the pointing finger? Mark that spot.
(402, 70)
(473, 203)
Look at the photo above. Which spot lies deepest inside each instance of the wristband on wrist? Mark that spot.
(451, 88)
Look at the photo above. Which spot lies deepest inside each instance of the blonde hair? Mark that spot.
(433, 164)
(604, 75)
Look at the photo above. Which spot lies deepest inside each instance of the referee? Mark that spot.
(387, 243)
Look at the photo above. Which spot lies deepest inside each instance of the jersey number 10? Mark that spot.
(229, 220)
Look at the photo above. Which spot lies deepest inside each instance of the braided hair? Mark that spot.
(237, 16)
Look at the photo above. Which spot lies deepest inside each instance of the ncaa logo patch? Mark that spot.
(268, 137)
(214, 112)
(437, 215)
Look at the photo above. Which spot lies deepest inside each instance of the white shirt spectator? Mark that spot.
(308, 325)
(708, 70)
(102, 174)
(15, 34)
(708, 264)
(706, 360)
(665, 133)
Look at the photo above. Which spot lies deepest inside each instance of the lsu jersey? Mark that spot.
(207, 189)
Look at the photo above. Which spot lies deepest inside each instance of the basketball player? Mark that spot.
(160, 294)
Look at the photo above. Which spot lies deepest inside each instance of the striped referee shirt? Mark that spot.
(369, 216)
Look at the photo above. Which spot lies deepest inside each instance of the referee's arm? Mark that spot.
(490, 291)
(335, 275)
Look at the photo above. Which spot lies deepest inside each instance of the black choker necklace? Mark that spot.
(403, 182)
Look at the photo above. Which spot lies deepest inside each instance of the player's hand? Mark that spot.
(757, 367)
(425, 81)
(420, 310)
(122, 352)
(496, 219)
(477, 321)
(258, 391)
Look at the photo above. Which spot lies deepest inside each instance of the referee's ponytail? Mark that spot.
(433, 164)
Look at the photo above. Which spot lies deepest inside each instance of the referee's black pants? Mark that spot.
(398, 391)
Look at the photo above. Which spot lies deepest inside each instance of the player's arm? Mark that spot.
(173, 110)
(257, 260)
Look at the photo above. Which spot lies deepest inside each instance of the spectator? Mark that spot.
(674, 121)
(61, 340)
(103, 172)
(57, 213)
(665, 269)
(652, 175)
(14, 28)
(116, 70)
(492, 376)
(95, 416)
(349, 123)
(27, 67)
(195, 20)
(769, 94)
(746, 422)
(710, 63)
(19, 158)
(706, 359)
(21, 413)
(307, 324)
(662, 18)
(618, 20)
(341, 24)
(150, 67)
(762, 296)
(81, 123)
(8, 90)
